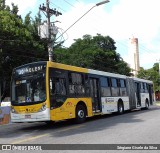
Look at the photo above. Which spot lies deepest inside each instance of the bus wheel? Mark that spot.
(80, 114)
(120, 108)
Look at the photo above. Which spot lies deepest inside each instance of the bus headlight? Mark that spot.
(43, 108)
(13, 110)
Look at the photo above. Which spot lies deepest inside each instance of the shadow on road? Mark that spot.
(66, 128)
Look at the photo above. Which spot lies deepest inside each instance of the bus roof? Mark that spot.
(83, 70)
(91, 71)
(142, 80)
(106, 74)
(67, 67)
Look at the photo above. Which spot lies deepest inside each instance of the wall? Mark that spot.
(5, 115)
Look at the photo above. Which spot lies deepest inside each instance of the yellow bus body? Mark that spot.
(68, 110)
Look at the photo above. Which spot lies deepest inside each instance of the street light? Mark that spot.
(98, 4)
(101, 3)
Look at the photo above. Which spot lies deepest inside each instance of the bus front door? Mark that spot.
(94, 84)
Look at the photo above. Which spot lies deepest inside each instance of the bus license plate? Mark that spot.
(27, 116)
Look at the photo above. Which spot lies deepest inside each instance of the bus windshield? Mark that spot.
(28, 89)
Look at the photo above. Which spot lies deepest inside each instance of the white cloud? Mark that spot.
(86, 25)
(128, 17)
(139, 18)
(23, 5)
(148, 59)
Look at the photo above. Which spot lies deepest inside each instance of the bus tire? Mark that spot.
(80, 114)
(120, 108)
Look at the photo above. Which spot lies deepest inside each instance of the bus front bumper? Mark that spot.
(31, 117)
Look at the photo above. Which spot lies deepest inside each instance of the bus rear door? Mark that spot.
(138, 97)
(94, 86)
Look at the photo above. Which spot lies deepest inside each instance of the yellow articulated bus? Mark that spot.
(48, 91)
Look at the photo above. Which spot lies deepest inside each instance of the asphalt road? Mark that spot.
(136, 127)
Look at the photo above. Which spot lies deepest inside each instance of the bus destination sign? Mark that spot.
(30, 69)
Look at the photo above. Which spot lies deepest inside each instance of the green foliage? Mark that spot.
(98, 52)
(151, 74)
(2, 4)
(19, 41)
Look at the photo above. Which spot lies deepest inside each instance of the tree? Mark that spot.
(151, 74)
(98, 52)
(19, 42)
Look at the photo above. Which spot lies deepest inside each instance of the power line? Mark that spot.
(77, 1)
(57, 6)
(122, 44)
(62, 33)
(141, 48)
(69, 3)
(145, 49)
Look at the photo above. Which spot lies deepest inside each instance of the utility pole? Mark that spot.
(48, 13)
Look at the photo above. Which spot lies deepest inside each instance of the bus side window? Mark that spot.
(146, 87)
(114, 87)
(58, 88)
(123, 91)
(76, 84)
(142, 87)
(105, 87)
(57, 91)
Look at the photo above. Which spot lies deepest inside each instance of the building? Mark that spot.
(134, 55)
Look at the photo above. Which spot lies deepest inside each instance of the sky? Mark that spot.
(120, 19)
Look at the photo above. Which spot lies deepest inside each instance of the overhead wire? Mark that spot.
(69, 3)
(120, 43)
(62, 33)
(140, 46)
(142, 49)
(57, 6)
(77, 1)
(145, 49)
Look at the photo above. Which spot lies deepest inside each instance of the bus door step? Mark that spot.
(97, 111)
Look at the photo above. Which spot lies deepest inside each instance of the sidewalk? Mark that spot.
(158, 103)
